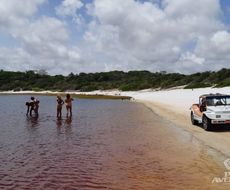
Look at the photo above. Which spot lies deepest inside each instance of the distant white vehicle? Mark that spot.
(213, 110)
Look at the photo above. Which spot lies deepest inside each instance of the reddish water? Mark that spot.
(106, 145)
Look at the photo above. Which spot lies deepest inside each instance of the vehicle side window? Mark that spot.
(228, 101)
(209, 102)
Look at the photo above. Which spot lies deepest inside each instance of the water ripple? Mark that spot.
(111, 145)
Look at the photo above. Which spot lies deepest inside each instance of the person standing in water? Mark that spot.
(34, 103)
(60, 102)
(29, 106)
(68, 102)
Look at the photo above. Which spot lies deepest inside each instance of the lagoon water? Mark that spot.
(107, 144)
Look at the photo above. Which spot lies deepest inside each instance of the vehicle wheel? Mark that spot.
(207, 123)
(194, 122)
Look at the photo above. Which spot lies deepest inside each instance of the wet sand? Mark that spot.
(174, 105)
(219, 139)
(188, 163)
(198, 153)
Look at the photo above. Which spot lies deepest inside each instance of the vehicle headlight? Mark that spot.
(218, 116)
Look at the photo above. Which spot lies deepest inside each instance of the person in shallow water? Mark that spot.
(34, 106)
(29, 106)
(60, 102)
(68, 102)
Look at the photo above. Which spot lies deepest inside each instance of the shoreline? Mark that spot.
(173, 105)
(80, 95)
(216, 151)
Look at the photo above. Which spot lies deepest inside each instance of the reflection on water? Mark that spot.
(66, 122)
(59, 123)
(105, 145)
(32, 121)
(64, 126)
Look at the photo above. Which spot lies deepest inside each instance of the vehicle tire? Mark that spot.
(207, 124)
(194, 122)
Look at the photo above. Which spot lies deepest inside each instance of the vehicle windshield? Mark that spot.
(218, 101)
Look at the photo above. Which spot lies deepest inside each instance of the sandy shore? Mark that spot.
(174, 105)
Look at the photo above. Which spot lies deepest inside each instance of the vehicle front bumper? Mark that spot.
(215, 121)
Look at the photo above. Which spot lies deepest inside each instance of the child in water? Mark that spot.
(68, 102)
(60, 102)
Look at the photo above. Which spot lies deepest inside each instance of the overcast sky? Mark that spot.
(63, 36)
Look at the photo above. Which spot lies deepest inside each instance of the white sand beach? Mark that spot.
(174, 105)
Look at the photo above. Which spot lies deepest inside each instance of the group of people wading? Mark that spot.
(33, 106)
(68, 102)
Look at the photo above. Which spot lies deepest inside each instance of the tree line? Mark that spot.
(125, 81)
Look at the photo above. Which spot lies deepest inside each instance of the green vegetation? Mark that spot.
(126, 81)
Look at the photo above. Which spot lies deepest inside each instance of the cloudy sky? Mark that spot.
(63, 36)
